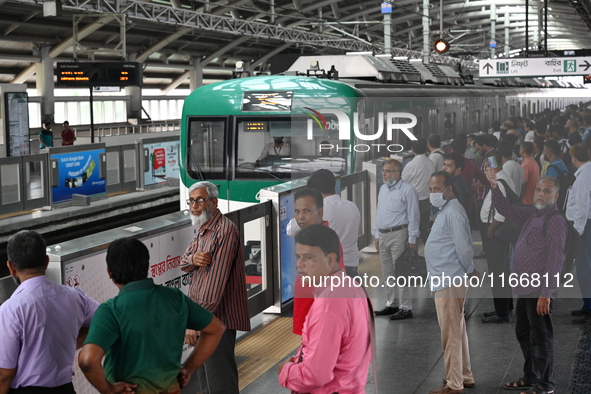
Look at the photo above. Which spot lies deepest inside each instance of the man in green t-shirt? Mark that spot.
(141, 331)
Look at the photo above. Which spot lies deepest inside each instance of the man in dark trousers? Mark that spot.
(538, 254)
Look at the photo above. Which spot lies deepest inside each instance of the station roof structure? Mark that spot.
(172, 37)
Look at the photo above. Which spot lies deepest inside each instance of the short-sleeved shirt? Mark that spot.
(39, 325)
(142, 331)
(46, 137)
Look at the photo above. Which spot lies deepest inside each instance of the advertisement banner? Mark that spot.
(78, 173)
(163, 162)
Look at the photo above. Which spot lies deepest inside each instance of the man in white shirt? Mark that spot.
(511, 167)
(417, 172)
(530, 131)
(436, 155)
(448, 254)
(275, 148)
(342, 216)
(578, 209)
(397, 224)
(497, 250)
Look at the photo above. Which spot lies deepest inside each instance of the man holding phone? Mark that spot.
(497, 250)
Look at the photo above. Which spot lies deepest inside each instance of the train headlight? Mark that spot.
(441, 46)
(239, 66)
(314, 65)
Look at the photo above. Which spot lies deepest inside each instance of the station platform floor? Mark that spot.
(409, 353)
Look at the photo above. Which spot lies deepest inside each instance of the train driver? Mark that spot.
(275, 148)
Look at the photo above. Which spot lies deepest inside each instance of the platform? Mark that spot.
(410, 357)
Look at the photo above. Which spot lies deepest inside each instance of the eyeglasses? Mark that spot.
(200, 201)
(390, 171)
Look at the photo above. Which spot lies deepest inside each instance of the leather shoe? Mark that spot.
(586, 319)
(497, 319)
(489, 314)
(578, 313)
(386, 311)
(445, 389)
(401, 315)
(466, 385)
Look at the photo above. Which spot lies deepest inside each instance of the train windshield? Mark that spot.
(206, 156)
(279, 147)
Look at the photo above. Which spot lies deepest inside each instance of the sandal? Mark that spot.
(517, 385)
(466, 385)
(537, 390)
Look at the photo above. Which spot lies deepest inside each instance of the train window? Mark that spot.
(449, 126)
(475, 122)
(524, 111)
(512, 111)
(433, 119)
(207, 148)
(418, 129)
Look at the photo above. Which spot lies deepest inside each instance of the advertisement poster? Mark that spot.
(287, 252)
(78, 173)
(163, 162)
(17, 120)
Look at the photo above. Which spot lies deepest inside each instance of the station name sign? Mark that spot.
(99, 74)
(534, 67)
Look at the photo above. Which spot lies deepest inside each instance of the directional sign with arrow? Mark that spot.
(535, 67)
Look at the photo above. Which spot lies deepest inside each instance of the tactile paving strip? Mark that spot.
(580, 378)
(265, 348)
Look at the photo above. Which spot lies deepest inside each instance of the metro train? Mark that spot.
(330, 124)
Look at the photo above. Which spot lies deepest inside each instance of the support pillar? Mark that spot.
(196, 75)
(387, 34)
(134, 105)
(493, 28)
(507, 47)
(426, 40)
(44, 71)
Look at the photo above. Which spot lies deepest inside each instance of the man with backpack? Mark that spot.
(578, 209)
(537, 266)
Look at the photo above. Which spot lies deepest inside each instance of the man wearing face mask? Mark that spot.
(536, 253)
(397, 223)
(448, 254)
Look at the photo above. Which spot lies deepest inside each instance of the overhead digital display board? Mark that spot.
(99, 74)
(266, 101)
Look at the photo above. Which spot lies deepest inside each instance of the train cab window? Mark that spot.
(449, 126)
(274, 148)
(206, 158)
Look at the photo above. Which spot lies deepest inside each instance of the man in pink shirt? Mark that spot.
(531, 173)
(336, 347)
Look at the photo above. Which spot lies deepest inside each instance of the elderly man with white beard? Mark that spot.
(537, 265)
(218, 284)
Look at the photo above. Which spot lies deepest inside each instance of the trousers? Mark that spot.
(392, 246)
(219, 374)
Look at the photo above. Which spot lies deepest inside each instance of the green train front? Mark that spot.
(226, 125)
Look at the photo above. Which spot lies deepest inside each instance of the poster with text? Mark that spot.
(163, 162)
(78, 173)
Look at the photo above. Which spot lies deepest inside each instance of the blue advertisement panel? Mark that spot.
(164, 162)
(287, 253)
(78, 173)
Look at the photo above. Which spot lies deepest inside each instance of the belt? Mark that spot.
(392, 229)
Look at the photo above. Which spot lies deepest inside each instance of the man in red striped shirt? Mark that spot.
(218, 284)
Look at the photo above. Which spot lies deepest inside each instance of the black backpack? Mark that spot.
(508, 231)
(566, 181)
(572, 246)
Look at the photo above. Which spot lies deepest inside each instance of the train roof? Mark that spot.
(227, 97)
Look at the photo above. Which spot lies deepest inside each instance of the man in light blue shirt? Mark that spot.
(578, 209)
(397, 222)
(448, 253)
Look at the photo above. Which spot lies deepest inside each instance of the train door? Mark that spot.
(434, 125)
(208, 153)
